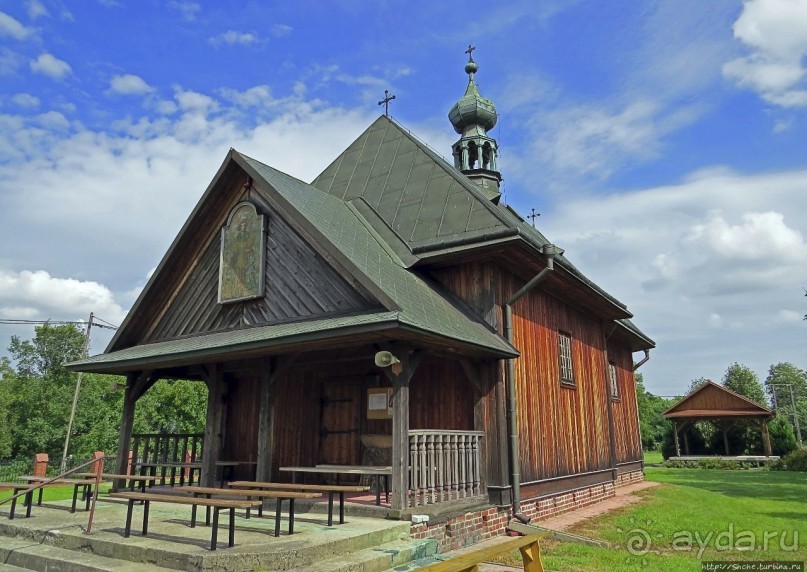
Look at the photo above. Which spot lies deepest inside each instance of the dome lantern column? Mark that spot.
(475, 152)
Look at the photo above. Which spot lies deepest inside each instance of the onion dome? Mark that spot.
(472, 110)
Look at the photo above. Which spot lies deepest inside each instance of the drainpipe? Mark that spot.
(550, 251)
(644, 360)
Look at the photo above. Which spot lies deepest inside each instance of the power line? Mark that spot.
(23, 322)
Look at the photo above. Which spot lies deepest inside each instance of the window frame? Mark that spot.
(613, 382)
(565, 360)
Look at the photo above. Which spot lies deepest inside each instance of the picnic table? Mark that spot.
(375, 472)
(330, 489)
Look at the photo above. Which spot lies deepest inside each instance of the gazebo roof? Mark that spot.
(711, 400)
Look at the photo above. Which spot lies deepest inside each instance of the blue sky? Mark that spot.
(662, 141)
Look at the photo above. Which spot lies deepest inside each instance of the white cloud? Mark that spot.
(260, 95)
(234, 38)
(281, 30)
(50, 66)
(588, 140)
(188, 10)
(758, 237)
(38, 295)
(129, 84)
(52, 120)
(11, 27)
(25, 100)
(710, 267)
(774, 32)
(36, 9)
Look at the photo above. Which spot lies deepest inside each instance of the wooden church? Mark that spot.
(393, 305)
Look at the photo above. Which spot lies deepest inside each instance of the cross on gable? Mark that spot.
(385, 101)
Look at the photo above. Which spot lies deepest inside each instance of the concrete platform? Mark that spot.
(54, 539)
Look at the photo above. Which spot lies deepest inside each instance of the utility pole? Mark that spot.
(792, 404)
(75, 396)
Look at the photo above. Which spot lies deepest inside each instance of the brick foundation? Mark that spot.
(473, 527)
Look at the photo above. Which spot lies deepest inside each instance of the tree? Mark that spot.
(696, 383)
(741, 379)
(781, 378)
(651, 423)
(36, 395)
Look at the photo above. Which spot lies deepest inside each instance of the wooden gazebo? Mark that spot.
(721, 406)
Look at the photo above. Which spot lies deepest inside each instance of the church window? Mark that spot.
(565, 352)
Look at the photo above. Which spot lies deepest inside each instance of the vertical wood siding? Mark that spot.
(626, 415)
(562, 430)
(298, 284)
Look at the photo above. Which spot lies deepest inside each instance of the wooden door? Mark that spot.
(340, 422)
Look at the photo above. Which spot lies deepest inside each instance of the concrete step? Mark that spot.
(172, 545)
(19, 554)
(391, 555)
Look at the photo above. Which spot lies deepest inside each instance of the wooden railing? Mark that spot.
(445, 466)
(166, 447)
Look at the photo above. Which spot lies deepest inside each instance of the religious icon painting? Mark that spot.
(243, 255)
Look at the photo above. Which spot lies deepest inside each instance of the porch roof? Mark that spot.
(249, 342)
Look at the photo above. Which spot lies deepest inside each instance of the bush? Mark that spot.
(713, 463)
(794, 461)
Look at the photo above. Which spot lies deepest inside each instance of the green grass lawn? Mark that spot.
(695, 515)
(653, 458)
(52, 493)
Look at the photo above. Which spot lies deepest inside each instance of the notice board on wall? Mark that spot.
(379, 403)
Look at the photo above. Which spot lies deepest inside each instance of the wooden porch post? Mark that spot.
(271, 371)
(686, 444)
(400, 375)
(266, 425)
(136, 386)
(766, 438)
(675, 437)
(213, 428)
(472, 369)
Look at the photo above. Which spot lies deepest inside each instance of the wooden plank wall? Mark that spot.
(563, 431)
(442, 398)
(298, 284)
(626, 415)
(241, 434)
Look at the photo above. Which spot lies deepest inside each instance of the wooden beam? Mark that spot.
(126, 424)
(214, 427)
(400, 375)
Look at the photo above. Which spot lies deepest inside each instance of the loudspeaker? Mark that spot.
(385, 359)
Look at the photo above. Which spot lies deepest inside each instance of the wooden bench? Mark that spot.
(279, 497)
(85, 484)
(142, 479)
(216, 504)
(330, 489)
(527, 545)
(27, 500)
(376, 472)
